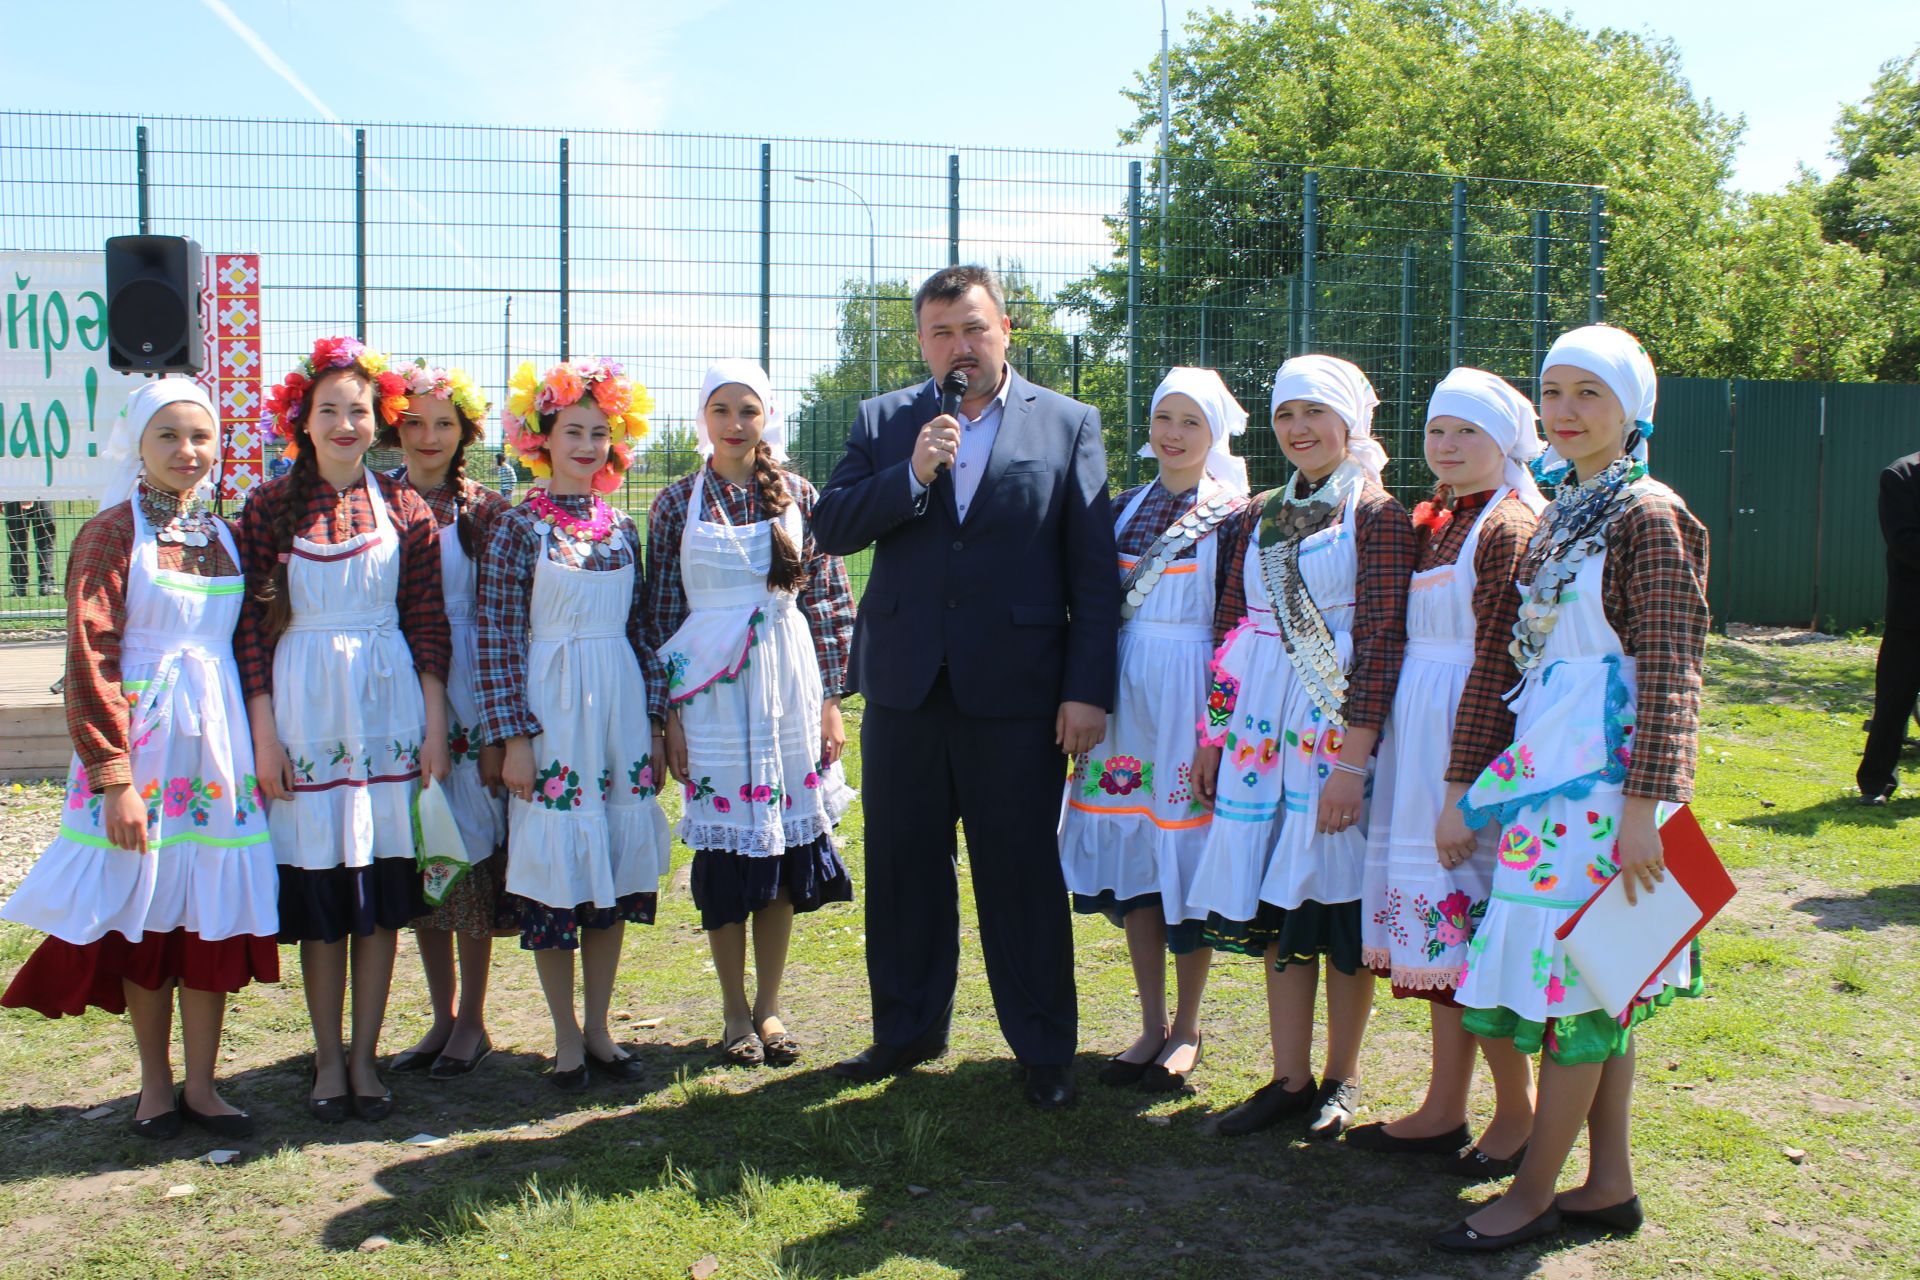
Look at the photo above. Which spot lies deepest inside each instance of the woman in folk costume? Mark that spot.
(1134, 823)
(570, 686)
(1313, 626)
(1611, 642)
(161, 876)
(752, 623)
(343, 653)
(1428, 876)
(445, 413)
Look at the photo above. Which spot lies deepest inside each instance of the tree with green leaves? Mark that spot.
(672, 450)
(1874, 201)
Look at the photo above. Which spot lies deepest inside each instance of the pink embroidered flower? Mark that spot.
(554, 786)
(762, 793)
(1556, 990)
(688, 791)
(179, 793)
(722, 805)
(644, 780)
(80, 792)
(1121, 776)
(1455, 910)
(811, 781)
(1519, 848)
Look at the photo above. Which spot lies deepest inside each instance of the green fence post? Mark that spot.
(1541, 281)
(1133, 315)
(1596, 257)
(566, 228)
(140, 173)
(953, 210)
(1074, 349)
(1309, 250)
(360, 234)
(1205, 362)
(1406, 330)
(766, 255)
(1457, 291)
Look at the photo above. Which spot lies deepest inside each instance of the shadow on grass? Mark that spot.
(1877, 908)
(1743, 672)
(1842, 807)
(946, 1165)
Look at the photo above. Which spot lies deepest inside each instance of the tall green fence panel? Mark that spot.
(1775, 489)
(1866, 427)
(1693, 452)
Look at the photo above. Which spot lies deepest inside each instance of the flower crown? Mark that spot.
(286, 397)
(456, 385)
(625, 402)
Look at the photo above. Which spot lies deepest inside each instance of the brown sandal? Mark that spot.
(782, 1049)
(742, 1051)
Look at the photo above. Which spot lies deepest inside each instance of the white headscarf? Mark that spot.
(1497, 408)
(751, 376)
(1616, 358)
(1225, 418)
(1340, 386)
(120, 456)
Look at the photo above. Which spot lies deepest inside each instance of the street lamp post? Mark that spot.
(873, 286)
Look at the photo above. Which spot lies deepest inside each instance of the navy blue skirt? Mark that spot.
(728, 887)
(1306, 932)
(339, 902)
(1183, 937)
(545, 928)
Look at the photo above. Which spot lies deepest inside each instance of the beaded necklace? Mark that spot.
(1290, 518)
(590, 535)
(1575, 528)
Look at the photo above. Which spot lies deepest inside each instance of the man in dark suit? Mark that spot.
(1896, 678)
(985, 649)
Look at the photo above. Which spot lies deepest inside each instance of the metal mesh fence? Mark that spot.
(483, 247)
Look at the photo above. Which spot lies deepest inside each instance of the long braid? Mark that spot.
(786, 571)
(277, 596)
(469, 528)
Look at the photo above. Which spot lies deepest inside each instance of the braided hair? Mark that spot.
(301, 480)
(786, 571)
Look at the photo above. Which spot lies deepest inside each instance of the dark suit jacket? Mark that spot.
(1900, 525)
(1022, 600)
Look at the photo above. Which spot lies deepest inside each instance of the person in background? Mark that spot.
(1896, 677)
(30, 522)
(508, 477)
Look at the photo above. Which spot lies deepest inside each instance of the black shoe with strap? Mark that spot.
(1270, 1103)
(1461, 1238)
(1477, 1166)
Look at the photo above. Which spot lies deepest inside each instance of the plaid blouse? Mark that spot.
(97, 618)
(826, 597)
(506, 619)
(423, 611)
(483, 504)
(1483, 723)
(1384, 544)
(1157, 514)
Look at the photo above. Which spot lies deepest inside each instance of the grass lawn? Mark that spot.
(1776, 1125)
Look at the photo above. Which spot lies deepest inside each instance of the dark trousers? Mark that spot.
(30, 521)
(925, 770)
(1896, 683)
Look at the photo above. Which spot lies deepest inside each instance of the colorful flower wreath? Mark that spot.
(625, 402)
(284, 399)
(456, 385)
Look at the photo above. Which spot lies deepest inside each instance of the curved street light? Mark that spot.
(873, 287)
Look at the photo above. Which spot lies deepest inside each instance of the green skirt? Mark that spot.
(1588, 1037)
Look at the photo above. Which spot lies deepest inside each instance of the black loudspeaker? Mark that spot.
(153, 305)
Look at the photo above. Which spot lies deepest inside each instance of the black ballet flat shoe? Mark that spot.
(445, 1068)
(1622, 1219)
(1476, 1165)
(158, 1128)
(1160, 1079)
(625, 1069)
(237, 1125)
(334, 1110)
(1339, 1102)
(412, 1061)
(574, 1081)
(1374, 1137)
(1460, 1238)
(1116, 1072)
(373, 1107)
(1268, 1105)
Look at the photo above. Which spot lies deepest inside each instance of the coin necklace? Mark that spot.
(1575, 529)
(188, 523)
(588, 536)
(1290, 518)
(1199, 521)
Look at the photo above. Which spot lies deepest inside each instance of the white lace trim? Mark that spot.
(757, 842)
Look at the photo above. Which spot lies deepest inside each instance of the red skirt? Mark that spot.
(61, 978)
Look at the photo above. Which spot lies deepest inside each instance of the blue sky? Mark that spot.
(1023, 74)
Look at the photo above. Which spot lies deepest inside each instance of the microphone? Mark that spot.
(953, 389)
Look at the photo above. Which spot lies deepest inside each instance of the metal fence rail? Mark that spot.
(482, 247)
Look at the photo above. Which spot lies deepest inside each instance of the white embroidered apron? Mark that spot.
(1132, 824)
(743, 673)
(208, 866)
(347, 703)
(1416, 915)
(593, 832)
(1557, 790)
(481, 815)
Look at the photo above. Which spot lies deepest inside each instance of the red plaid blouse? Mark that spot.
(483, 504)
(423, 611)
(97, 618)
(1384, 544)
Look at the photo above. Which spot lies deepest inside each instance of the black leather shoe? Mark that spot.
(574, 1081)
(237, 1125)
(878, 1061)
(1878, 795)
(1339, 1101)
(445, 1068)
(1268, 1105)
(373, 1107)
(1621, 1219)
(159, 1128)
(1460, 1238)
(412, 1061)
(1477, 1166)
(334, 1110)
(1119, 1073)
(625, 1069)
(1051, 1088)
(1159, 1079)
(1374, 1137)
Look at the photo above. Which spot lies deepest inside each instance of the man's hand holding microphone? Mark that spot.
(939, 440)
